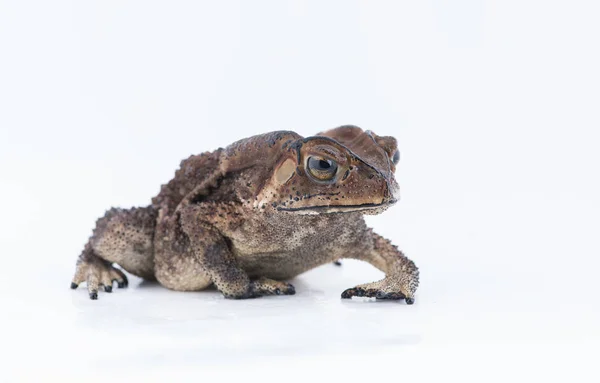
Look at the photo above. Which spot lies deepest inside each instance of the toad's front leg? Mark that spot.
(401, 274)
(211, 250)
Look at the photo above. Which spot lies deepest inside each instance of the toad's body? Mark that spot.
(258, 212)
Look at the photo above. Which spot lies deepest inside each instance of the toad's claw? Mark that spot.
(122, 283)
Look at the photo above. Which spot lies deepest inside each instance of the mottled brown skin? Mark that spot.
(261, 211)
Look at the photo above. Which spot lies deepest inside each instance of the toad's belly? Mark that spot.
(283, 246)
(283, 265)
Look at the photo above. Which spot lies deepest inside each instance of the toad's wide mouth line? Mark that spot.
(338, 208)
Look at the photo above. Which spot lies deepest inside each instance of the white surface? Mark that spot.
(495, 105)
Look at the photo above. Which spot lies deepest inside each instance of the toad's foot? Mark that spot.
(381, 290)
(264, 286)
(97, 272)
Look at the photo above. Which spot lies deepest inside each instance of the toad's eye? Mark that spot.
(322, 169)
(396, 157)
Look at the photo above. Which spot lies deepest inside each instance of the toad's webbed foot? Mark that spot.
(401, 283)
(97, 272)
(264, 286)
(375, 293)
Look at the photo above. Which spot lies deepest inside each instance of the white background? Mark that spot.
(495, 105)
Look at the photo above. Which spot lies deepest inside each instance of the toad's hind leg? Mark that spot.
(124, 237)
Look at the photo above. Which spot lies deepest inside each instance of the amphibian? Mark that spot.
(248, 217)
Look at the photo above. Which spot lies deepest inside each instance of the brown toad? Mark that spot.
(258, 212)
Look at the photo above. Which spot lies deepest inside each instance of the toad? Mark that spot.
(261, 211)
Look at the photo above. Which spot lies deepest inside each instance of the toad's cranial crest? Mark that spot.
(262, 210)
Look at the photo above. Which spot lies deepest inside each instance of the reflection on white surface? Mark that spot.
(151, 332)
(147, 326)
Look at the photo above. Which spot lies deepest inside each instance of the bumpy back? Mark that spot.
(192, 171)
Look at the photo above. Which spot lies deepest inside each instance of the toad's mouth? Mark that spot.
(325, 209)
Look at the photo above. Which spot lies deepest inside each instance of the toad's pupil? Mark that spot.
(324, 164)
(321, 168)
